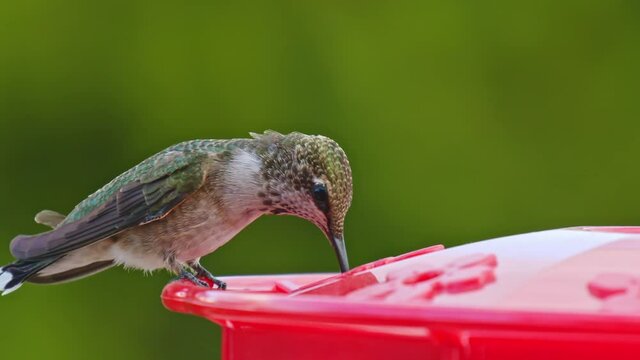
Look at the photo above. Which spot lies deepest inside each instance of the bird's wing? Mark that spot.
(146, 198)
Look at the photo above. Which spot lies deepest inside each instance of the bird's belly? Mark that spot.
(137, 258)
(195, 245)
(206, 239)
(150, 251)
(188, 233)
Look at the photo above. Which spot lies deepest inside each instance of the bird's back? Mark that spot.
(143, 170)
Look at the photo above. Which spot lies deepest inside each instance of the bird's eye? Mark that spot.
(319, 192)
(320, 196)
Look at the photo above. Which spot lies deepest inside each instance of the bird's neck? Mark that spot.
(238, 184)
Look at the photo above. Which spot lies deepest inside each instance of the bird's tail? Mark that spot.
(13, 275)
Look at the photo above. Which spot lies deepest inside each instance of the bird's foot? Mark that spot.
(186, 275)
(202, 272)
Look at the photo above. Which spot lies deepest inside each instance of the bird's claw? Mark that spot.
(201, 272)
(217, 282)
(185, 275)
(220, 284)
(201, 283)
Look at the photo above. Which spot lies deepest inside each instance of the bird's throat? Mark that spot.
(238, 184)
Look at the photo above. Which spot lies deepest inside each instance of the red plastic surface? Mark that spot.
(560, 294)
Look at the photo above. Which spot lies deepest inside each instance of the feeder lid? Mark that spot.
(586, 273)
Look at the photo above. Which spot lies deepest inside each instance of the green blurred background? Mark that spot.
(463, 121)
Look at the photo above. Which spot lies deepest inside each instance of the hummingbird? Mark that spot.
(184, 203)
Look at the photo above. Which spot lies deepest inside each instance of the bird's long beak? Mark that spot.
(337, 241)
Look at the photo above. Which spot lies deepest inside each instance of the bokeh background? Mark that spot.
(463, 121)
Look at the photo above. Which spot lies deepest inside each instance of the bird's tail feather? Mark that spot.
(13, 275)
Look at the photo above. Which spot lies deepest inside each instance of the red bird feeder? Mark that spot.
(559, 294)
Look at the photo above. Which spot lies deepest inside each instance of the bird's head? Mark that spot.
(308, 176)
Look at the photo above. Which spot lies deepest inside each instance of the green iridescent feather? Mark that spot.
(180, 156)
